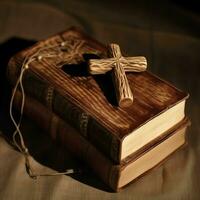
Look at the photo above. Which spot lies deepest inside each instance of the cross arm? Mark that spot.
(130, 64)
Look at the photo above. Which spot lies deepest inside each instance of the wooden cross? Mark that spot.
(120, 65)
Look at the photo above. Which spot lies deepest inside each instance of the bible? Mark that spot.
(64, 86)
(116, 176)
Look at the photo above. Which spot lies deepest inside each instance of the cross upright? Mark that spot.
(120, 65)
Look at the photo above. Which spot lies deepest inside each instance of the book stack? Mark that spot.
(79, 110)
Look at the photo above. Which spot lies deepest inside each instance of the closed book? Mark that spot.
(88, 102)
(114, 175)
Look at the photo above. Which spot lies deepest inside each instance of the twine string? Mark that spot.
(38, 55)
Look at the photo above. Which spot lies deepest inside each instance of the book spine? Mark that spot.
(90, 128)
(70, 139)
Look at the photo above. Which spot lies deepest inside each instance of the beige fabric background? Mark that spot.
(166, 33)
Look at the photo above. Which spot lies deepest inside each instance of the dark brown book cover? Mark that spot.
(64, 134)
(88, 102)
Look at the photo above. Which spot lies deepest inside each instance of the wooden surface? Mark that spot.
(119, 66)
(169, 38)
(100, 66)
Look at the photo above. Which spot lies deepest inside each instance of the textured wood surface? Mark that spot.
(122, 88)
(130, 64)
(119, 66)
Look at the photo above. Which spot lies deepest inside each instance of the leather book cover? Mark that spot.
(65, 135)
(88, 102)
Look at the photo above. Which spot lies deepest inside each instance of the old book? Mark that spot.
(88, 102)
(115, 176)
